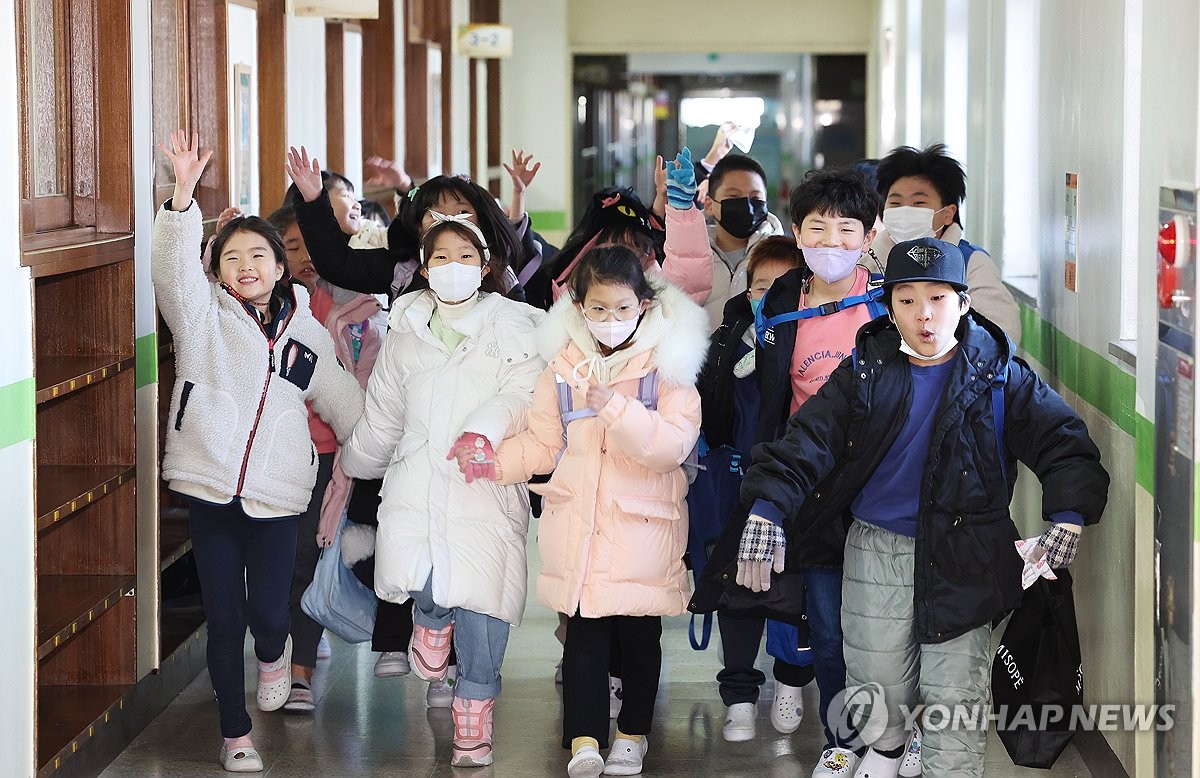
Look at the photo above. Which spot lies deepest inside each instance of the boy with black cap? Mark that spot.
(909, 452)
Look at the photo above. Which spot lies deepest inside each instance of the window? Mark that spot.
(46, 93)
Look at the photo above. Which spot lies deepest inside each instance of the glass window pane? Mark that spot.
(48, 95)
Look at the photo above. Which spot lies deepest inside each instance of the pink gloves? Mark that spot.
(475, 455)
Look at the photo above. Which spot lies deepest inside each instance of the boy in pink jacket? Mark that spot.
(624, 352)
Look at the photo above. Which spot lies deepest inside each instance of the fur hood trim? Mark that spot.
(674, 326)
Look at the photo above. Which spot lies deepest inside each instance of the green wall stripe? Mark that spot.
(1099, 382)
(145, 350)
(1145, 453)
(548, 220)
(17, 412)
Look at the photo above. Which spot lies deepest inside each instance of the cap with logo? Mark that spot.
(926, 259)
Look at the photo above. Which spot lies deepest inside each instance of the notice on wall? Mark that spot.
(1072, 234)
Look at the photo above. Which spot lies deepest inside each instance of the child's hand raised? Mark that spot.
(598, 396)
(304, 172)
(228, 215)
(386, 172)
(521, 172)
(188, 163)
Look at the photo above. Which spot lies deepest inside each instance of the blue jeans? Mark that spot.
(479, 641)
(823, 602)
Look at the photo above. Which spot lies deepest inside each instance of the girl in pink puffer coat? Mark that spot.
(614, 523)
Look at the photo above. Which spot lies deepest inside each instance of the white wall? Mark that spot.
(535, 94)
(242, 41)
(17, 639)
(811, 26)
(306, 84)
(352, 122)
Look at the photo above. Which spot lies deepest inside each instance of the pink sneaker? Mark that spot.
(429, 651)
(472, 732)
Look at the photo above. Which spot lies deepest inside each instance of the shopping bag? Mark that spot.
(1037, 675)
(336, 599)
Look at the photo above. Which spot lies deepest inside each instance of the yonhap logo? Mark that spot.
(858, 715)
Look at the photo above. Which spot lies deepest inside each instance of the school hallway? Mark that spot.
(365, 725)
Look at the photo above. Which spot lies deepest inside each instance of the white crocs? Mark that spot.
(625, 757)
(836, 763)
(587, 763)
(876, 765)
(241, 759)
(911, 766)
(787, 709)
(739, 722)
(275, 680)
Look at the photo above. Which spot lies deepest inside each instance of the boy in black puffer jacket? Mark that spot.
(908, 456)
(729, 395)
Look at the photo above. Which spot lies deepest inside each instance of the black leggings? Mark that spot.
(586, 669)
(306, 633)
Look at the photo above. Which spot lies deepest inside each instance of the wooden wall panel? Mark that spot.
(335, 98)
(209, 99)
(416, 87)
(272, 103)
(114, 142)
(379, 83)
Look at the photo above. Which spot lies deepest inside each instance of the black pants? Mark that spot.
(739, 681)
(245, 567)
(585, 675)
(306, 633)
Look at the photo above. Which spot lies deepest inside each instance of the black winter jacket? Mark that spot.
(967, 569)
(716, 380)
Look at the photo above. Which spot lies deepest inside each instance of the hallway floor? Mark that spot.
(368, 726)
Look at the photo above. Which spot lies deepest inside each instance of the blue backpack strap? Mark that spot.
(705, 632)
(968, 248)
(566, 404)
(648, 390)
(998, 415)
(870, 298)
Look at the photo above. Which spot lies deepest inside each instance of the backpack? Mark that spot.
(712, 498)
(647, 395)
(870, 299)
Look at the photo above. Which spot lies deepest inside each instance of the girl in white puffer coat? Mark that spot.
(455, 378)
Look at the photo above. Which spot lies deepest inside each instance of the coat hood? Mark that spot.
(674, 326)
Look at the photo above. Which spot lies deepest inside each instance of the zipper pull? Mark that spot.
(271, 360)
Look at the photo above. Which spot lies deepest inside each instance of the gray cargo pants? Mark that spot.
(881, 647)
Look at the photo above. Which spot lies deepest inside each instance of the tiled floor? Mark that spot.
(365, 726)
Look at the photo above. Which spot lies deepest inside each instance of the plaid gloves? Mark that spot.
(1061, 543)
(759, 552)
(681, 181)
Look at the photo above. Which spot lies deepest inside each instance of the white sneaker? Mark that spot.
(440, 694)
(615, 695)
(392, 663)
(739, 722)
(324, 650)
(625, 757)
(876, 765)
(836, 763)
(911, 766)
(787, 709)
(587, 763)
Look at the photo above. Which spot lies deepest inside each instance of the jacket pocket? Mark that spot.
(184, 395)
(208, 427)
(647, 539)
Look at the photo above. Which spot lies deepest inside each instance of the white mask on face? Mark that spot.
(612, 333)
(454, 282)
(908, 222)
(907, 349)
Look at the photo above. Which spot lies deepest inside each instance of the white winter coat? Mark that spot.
(238, 423)
(420, 399)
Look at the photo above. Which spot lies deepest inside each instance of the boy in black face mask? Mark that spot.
(737, 203)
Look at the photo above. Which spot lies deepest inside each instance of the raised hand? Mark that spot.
(305, 172)
(188, 163)
(721, 144)
(522, 173)
(681, 181)
(387, 172)
(228, 215)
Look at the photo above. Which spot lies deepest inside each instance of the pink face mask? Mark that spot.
(831, 264)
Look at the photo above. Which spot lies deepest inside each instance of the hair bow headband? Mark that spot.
(463, 219)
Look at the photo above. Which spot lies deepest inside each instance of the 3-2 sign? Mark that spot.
(491, 41)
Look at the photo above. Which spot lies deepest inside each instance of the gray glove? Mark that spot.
(1061, 544)
(759, 552)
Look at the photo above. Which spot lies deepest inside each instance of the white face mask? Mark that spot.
(907, 349)
(612, 333)
(454, 282)
(908, 222)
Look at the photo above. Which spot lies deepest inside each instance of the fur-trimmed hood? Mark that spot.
(673, 327)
